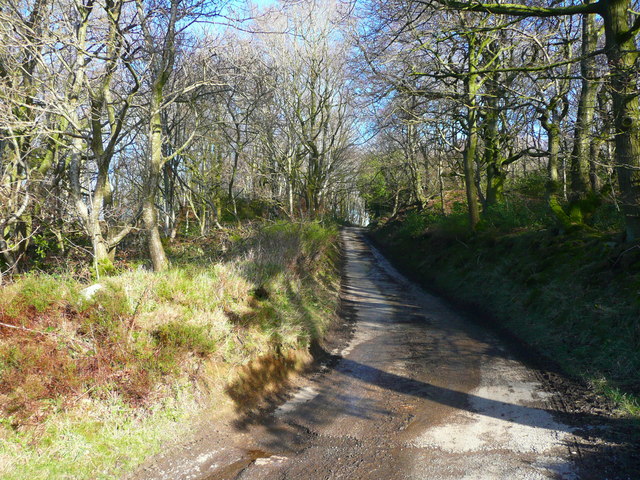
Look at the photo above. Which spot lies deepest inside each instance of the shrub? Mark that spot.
(533, 184)
(414, 224)
(517, 213)
(607, 218)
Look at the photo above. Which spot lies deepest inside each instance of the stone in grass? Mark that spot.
(90, 291)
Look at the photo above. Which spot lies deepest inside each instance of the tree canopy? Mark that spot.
(152, 119)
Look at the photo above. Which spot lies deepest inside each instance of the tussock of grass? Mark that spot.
(89, 387)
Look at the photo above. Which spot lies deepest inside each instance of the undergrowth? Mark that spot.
(91, 384)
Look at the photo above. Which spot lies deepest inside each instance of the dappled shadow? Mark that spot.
(524, 415)
(354, 392)
(264, 376)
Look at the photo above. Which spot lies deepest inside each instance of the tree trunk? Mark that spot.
(580, 183)
(289, 181)
(469, 175)
(234, 170)
(90, 218)
(313, 186)
(553, 140)
(441, 185)
(594, 179)
(554, 187)
(621, 54)
(415, 168)
(495, 184)
(169, 214)
(493, 157)
(149, 211)
(473, 85)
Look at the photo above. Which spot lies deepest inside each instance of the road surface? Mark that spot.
(419, 392)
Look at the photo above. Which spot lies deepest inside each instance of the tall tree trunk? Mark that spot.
(622, 56)
(313, 186)
(579, 176)
(232, 179)
(289, 184)
(89, 216)
(594, 179)
(162, 67)
(415, 167)
(554, 186)
(169, 194)
(441, 185)
(155, 163)
(493, 157)
(473, 86)
(553, 169)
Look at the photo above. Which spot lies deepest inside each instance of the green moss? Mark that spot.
(104, 267)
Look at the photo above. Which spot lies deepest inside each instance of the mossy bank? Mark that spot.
(573, 297)
(93, 381)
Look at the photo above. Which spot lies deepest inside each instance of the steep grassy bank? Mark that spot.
(572, 297)
(90, 385)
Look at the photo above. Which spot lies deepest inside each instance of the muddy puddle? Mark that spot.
(233, 470)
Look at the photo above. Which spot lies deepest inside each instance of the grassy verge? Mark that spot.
(90, 385)
(572, 297)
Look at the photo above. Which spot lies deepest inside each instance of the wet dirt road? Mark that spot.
(418, 393)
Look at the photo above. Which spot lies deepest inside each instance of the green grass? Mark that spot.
(179, 336)
(97, 441)
(89, 388)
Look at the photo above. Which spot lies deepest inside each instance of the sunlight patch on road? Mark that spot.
(300, 397)
(501, 416)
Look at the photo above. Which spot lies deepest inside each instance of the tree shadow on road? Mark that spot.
(604, 446)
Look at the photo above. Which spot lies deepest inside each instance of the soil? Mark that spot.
(409, 387)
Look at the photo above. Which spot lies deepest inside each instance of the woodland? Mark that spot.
(152, 148)
(129, 118)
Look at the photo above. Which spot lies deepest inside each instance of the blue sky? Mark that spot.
(264, 3)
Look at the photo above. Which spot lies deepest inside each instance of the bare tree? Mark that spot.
(164, 25)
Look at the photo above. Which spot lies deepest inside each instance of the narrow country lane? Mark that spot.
(419, 393)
